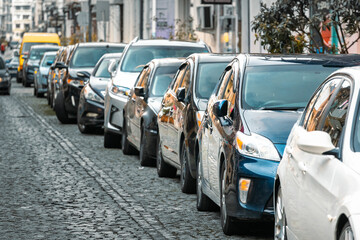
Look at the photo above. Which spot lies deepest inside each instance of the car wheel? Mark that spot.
(280, 218)
(82, 127)
(163, 169)
(60, 111)
(203, 202)
(18, 79)
(48, 96)
(112, 140)
(8, 91)
(35, 93)
(346, 232)
(227, 222)
(188, 183)
(125, 144)
(145, 160)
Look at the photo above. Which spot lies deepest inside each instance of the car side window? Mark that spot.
(143, 77)
(332, 109)
(179, 77)
(2, 64)
(224, 81)
(186, 80)
(229, 94)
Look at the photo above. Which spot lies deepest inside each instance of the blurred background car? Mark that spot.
(181, 112)
(42, 72)
(90, 114)
(13, 66)
(32, 61)
(136, 55)
(245, 127)
(13, 44)
(74, 75)
(5, 79)
(140, 112)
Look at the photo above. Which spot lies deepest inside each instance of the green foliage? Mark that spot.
(286, 26)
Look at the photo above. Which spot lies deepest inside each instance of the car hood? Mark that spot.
(125, 79)
(274, 125)
(155, 104)
(99, 84)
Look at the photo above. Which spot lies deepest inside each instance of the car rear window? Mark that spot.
(138, 56)
(27, 45)
(287, 86)
(89, 56)
(49, 58)
(36, 54)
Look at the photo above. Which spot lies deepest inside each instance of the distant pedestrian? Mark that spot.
(2, 48)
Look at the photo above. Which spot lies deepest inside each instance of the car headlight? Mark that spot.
(75, 82)
(91, 95)
(1, 79)
(255, 145)
(120, 90)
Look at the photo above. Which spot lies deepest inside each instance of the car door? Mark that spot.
(315, 172)
(167, 112)
(215, 130)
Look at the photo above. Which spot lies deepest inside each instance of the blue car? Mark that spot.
(245, 128)
(41, 74)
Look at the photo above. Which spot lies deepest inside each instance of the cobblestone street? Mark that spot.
(56, 183)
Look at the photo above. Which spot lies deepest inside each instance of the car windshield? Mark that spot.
(285, 87)
(102, 70)
(138, 56)
(207, 77)
(36, 54)
(89, 56)
(27, 45)
(161, 80)
(46, 59)
(14, 60)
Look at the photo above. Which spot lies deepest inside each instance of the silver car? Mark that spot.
(317, 191)
(135, 56)
(41, 74)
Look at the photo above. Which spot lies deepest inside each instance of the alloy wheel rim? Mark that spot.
(279, 218)
(349, 234)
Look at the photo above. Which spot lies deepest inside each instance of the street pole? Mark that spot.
(90, 23)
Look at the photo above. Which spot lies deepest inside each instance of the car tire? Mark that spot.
(112, 140)
(203, 202)
(227, 222)
(82, 127)
(8, 91)
(145, 160)
(346, 232)
(280, 218)
(35, 93)
(48, 97)
(125, 144)
(187, 182)
(18, 79)
(163, 169)
(60, 111)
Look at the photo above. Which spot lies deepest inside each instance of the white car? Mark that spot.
(135, 56)
(317, 187)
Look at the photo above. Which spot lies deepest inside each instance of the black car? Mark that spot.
(245, 127)
(140, 112)
(81, 63)
(13, 66)
(5, 79)
(181, 112)
(90, 114)
(32, 61)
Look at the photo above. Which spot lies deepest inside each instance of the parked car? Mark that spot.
(136, 55)
(90, 113)
(5, 79)
(317, 182)
(13, 66)
(42, 72)
(244, 130)
(81, 63)
(13, 44)
(140, 112)
(32, 62)
(30, 39)
(181, 112)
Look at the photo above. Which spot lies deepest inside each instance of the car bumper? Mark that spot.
(4, 86)
(91, 113)
(259, 201)
(13, 72)
(29, 78)
(114, 110)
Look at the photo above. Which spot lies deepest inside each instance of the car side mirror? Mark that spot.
(139, 91)
(49, 63)
(60, 65)
(83, 74)
(112, 68)
(24, 57)
(180, 94)
(316, 142)
(220, 108)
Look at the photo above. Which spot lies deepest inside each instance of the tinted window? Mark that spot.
(2, 64)
(229, 93)
(37, 54)
(281, 87)
(161, 80)
(27, 45)
(49, 58)
(138, 56)
(89, 56)
(102, 70)
(207, 77)
(143, 77)
(179, 77)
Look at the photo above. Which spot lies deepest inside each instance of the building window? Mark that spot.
(26, 17)
(27, 26)
(17, 26)
(17, 7)
(26, 7)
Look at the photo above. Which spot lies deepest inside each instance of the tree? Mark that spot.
(299, 26)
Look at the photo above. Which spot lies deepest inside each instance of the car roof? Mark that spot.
(112, 55)
(101, 44)
(164, 42)
(167, 61)
(213, 57)
(328, 60)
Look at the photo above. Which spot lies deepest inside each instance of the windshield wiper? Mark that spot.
(282, 108)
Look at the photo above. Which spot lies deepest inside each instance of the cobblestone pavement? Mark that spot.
(56, 183)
